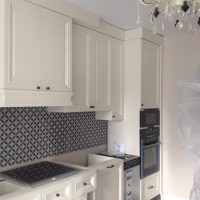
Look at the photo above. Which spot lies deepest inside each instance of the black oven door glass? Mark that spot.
(150, 159)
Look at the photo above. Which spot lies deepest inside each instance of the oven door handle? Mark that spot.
(151, 145)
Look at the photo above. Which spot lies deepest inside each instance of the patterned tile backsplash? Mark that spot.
(28, 134)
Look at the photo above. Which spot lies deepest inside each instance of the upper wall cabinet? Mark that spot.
(100, 69)
(117, 77)
(150, 72)
(97, 74)
(90, 72)
(36, 57)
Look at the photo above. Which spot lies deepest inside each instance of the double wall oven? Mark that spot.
(149, 142)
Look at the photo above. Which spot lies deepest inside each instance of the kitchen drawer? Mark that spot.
(84, 197)
(59, 192)
(84, 184)
(150, 186)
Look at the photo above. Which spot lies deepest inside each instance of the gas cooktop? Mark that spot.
(38, 174)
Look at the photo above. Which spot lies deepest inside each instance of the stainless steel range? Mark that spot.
(38, 174)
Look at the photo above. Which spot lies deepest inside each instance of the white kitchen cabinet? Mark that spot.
(117, 77)
(150, 72)
(81, 67)
(24, 65)
(56, 52)
(36, 57)
(90, 71)
(117, 83)
(150, 186)
(59, 191)
(100, 69)
(97, 74)
(84, 184)
(109, 177)
(108, 183)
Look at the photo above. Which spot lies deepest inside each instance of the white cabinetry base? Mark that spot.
(23, 98)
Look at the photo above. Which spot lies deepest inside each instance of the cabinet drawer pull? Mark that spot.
(111, 166)
(57, 195)
(47, 88)
(150, 187)
(38, 87)
(85, 184)
(92, 106)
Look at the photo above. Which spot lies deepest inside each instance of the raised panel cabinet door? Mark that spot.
(108, 184)
(100, 80)
(25, 35)
(56, 51)
(117, 79)
(151, 63)
(80, 66)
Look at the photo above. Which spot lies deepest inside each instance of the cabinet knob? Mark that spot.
(85, 184)
(150, 187)
(47, 88)
(38, 87)
(111, 166)
(92, 106)
(142, 104)
(113, 116)
(57, 195)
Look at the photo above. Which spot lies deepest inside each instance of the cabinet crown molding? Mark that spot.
(70, 10)
(142, 33)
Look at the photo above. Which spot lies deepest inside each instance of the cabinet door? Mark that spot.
(80, 67)
(25, 46)
(150, 186)
(109, 183)
(117, 77)
(56, 52)
(151, 63)
(100, 80)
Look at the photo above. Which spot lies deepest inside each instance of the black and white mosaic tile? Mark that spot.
(28, 134)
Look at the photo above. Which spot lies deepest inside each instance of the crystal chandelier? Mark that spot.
(182, 13)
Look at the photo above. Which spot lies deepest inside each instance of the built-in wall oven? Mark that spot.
(149, 141)
(149, 117)
(149, 151)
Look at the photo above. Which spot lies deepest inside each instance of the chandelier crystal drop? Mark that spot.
(181, 13)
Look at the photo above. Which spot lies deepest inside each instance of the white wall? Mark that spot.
(181, 56)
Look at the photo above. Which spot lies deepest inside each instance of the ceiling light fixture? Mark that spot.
(182, 13)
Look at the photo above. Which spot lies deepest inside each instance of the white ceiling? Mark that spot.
(122, 13)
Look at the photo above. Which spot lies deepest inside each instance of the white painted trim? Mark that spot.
(24, 98)
(171, 197)
(69, 9)
(145, 34)
(105, 28)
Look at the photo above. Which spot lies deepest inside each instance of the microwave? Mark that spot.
(149, 117)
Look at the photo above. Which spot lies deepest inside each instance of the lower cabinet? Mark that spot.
(150, 187)
(32, 196)
(77, 187)
(109, 178)
(83, 185)
(60, 191)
